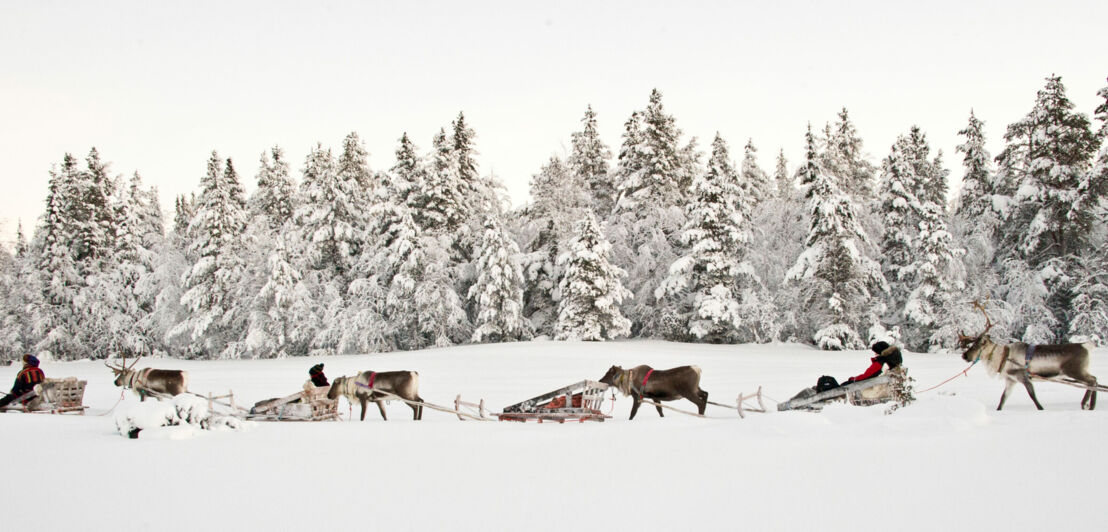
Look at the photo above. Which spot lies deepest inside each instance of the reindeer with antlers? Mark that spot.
(149, 381)
(1020, 362)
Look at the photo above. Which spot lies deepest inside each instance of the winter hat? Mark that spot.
(880, 347)
(318, 368)
(30, 360)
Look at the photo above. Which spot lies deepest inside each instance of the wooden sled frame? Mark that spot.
(66, 396)
(321, 408)
(580, 402)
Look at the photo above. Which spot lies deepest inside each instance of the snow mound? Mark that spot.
(185, 416)
(940, 411)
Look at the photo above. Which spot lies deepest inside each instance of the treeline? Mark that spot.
(664, 241)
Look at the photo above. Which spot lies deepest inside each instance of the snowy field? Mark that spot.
(948, 462)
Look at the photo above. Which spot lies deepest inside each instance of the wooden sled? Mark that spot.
(53, 396)
(309, 404)
(580, 402)
(864, 393)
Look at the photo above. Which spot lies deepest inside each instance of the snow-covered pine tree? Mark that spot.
(55, 319)
(979, 209)
(330, 219)
(216, 322)
(652, 177)
(589, 162)
(1089, 314)
(755, 182)
(1049, 154)
(280, 318)
(782, 180)
(840, 286)
(711, 283)
(559, 198)
(17, 297)
(845, 158)
(497, 292)
(274, 200)
(590, 289)
(408, 174)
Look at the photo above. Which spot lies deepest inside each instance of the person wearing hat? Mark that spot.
(318, 378)
(886, 355)
(25, 382)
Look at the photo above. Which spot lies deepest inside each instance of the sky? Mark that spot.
(156, 86)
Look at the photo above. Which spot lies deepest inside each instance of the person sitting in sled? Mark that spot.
(25, 382)
(886, 355)
(318, 378)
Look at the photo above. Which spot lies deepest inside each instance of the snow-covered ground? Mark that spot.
(948, 462)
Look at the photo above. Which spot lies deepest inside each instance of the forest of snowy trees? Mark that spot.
(653, 240)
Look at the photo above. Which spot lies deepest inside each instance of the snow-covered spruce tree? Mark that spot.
(845, 158)
(439, 206)
(216, 322)
(440, 313)
(755, 182)
(918, 256)
(590, 289)
(94, 217)
(1089, 314)
(497, 292)
(353, 167)
(18, 290)
(55, 319)
(979, 209)
(1049, 154)
(274, 201)
(589, 162)
(712, 281)
(184, 207)
(330, 219)
(652, 177)
(840, 286)
(778, 229)
(559, 198)
(280, 317)
(408, 174)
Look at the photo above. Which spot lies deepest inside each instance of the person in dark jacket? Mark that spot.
(25, 382)
(886, 355)
(318, 378)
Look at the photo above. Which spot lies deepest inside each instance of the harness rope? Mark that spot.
(963, 372)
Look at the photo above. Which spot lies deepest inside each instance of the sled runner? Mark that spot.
(309, 404)
(864, 393)
(53, 396)
(580, 402)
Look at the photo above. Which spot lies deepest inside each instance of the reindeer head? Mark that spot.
(336, 387)
(612, 375)
(122, 371)
(974, 344)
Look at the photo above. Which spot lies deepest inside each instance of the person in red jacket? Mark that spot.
(886, 355)
(25, 382)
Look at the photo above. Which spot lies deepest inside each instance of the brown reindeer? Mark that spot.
(1012, 361)
(149, 381)
(361, 388)
(644, 382)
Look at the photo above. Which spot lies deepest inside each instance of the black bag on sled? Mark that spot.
(825, 383)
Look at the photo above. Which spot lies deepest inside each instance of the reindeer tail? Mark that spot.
(697, 370)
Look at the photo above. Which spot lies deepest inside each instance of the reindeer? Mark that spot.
(1019, 362)
(149, 381)
(361, 388)
(644, 382)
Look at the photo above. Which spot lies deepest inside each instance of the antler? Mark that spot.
(988, 321)
(132, 366)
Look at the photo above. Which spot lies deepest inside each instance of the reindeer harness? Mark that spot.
(372, 377)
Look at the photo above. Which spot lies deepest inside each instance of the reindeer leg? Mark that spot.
(362, 400)
(1088, 402)
(1008, 383)
(1030, 390)
(658, 405)
(635, 402)
(418, 409)
(703, 404)
(381, 407)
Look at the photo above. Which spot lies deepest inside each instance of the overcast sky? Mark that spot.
(156, 86)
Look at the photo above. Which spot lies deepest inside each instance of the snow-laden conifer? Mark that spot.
(497, 292)
(590, 289)
(280, 318)
(713, 280)
(216, 320)
(589, 162)
(839, 284)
